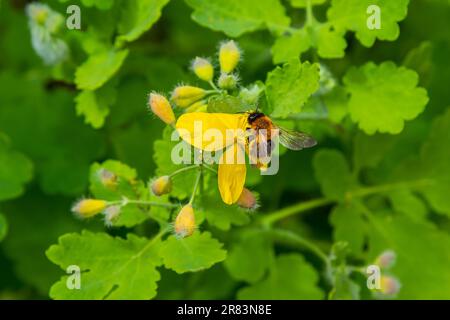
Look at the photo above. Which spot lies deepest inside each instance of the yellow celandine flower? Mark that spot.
(86, 208)
(232, 171)
(184, 96)
(229, 55)
(203, 69)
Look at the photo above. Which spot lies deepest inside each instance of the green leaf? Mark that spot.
(352, 15)
(337, 104)
(409, 204)
(3, 227)
(289, 87)
(304, 3)
(349, 226)
(384, 96)
(328, 42)
(124, 184)
(197, 252)
(290, 46)
(100, 4)
(218, 213)
(112, 268)
(183, 183)
(238, 264)
(368, 150)
(99, 68)
(227, 104)
(15, 170)
(435, 164)
(291, 278)
(236, 17)
(94, 105)
(333, 173)
(418, 246)
(138, 16)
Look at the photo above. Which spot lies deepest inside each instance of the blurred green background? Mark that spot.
(46, 149)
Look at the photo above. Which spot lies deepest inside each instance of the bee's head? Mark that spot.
(254, 115)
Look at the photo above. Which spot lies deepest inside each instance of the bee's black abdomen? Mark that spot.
(254, 116)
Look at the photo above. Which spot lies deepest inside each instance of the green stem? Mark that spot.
(183, 170)
(209, 168)
(290, 237)
(309, 13)
(362, 192)
(211, 83)
(143, 202)
(194, 191)
(296, 208)
(359, 193)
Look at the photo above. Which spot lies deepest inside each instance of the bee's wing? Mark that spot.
(213, 134)
(295, 140)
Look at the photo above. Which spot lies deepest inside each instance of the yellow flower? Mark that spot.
(229, 55)
(232, 167)
(185, 222)
(161, 107)
(184, 96)
(203, 69)
(87, 208)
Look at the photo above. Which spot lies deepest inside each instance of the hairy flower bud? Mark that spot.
(247, 200)
(87, 208)
(161, 185)
(229, 55)
(227, 81)
(185, 222)
(386, 259)
(251, 95)
(203, 69)
(161, 107)
(111, 213)
(389, 286)
(107, 178)
(184, 96)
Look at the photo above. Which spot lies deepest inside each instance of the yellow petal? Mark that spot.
(231, 175)
(208, 131)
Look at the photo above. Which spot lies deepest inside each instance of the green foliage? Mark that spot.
(289, 87)
(15, 170)
(377, 90)
(290, 277)
(249, 270)
(197, 252)
(75, 124)
(350, 15)
(333, 174)
(99, 68)
(112, 268)
(235, 17)
(3, 226)
(138, 17)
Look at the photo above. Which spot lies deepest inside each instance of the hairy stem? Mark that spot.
(194, 191)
